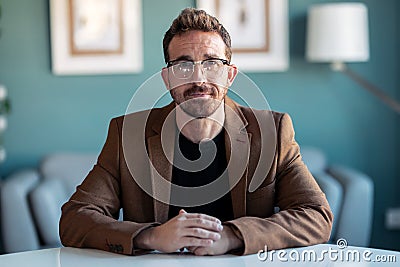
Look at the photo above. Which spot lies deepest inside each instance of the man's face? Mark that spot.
(202, 93)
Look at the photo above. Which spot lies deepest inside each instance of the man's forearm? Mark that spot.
(287, 228)
(234, 241)
(143, 239)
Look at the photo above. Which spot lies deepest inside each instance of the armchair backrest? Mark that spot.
(70, 168)
(350, 196)
(61, 174)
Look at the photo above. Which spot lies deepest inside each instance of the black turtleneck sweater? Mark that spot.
(185, 176)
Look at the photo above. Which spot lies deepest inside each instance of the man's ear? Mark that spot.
(232, 72)
(165, 77)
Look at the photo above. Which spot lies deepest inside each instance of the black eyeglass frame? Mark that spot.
(171, 63)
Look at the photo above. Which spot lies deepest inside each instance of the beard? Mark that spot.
(195, 106)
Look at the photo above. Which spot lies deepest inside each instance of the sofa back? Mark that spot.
(61, 173)
(70, 168)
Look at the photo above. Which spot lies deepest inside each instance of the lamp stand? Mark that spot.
(388, 100)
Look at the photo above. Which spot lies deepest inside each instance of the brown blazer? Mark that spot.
(89, 218)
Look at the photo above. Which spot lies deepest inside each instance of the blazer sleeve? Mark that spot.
(304, 218)
(90, 218)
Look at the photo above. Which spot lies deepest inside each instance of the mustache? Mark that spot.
(195, 89)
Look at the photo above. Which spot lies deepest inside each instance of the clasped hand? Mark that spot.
(199, 233)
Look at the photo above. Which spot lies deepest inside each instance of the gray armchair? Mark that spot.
(18, 228)
(31, 200)
(350, 194)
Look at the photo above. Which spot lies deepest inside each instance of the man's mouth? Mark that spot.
(199, 94)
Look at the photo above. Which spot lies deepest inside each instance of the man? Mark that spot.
(160, 216)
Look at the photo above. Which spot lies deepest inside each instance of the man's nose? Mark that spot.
(198, 74)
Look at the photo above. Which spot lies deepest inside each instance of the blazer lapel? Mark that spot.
(161, 153)
(237, 145)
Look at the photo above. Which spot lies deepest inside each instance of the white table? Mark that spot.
(321, 255)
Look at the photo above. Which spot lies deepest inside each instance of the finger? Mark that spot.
(192, 248)
(200, 251)
(201, 216)
(196, 242)
(182, 211)
(202, 223)
(201, 233)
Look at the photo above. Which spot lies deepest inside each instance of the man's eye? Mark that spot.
(210, 64)
(185, 65)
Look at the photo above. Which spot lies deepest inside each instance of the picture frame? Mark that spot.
(95, 37)
(259, 32)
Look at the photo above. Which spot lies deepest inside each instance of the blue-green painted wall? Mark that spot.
(397, 44)
(53, 113)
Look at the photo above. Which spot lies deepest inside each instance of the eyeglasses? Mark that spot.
(183, 69)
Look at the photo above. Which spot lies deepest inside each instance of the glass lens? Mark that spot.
(212, 68)
(212, 64)
(183, 70)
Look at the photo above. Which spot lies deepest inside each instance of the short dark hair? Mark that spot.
(195, 19)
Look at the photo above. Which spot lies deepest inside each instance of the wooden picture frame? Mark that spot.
(96, 37)
(258, 29)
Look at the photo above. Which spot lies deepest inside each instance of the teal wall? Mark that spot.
(397, 44)
(52, 113)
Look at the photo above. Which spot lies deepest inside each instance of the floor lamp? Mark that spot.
(338, 33)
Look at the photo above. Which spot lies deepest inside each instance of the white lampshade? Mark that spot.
(337, 32)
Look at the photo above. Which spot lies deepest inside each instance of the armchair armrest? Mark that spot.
(334, 194)
(47, 199)
(357, 210)
(18, 228)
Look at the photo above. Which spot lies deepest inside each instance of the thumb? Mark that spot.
(182, 211)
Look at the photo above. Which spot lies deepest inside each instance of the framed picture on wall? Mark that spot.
(96, 36)
(258, 29)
